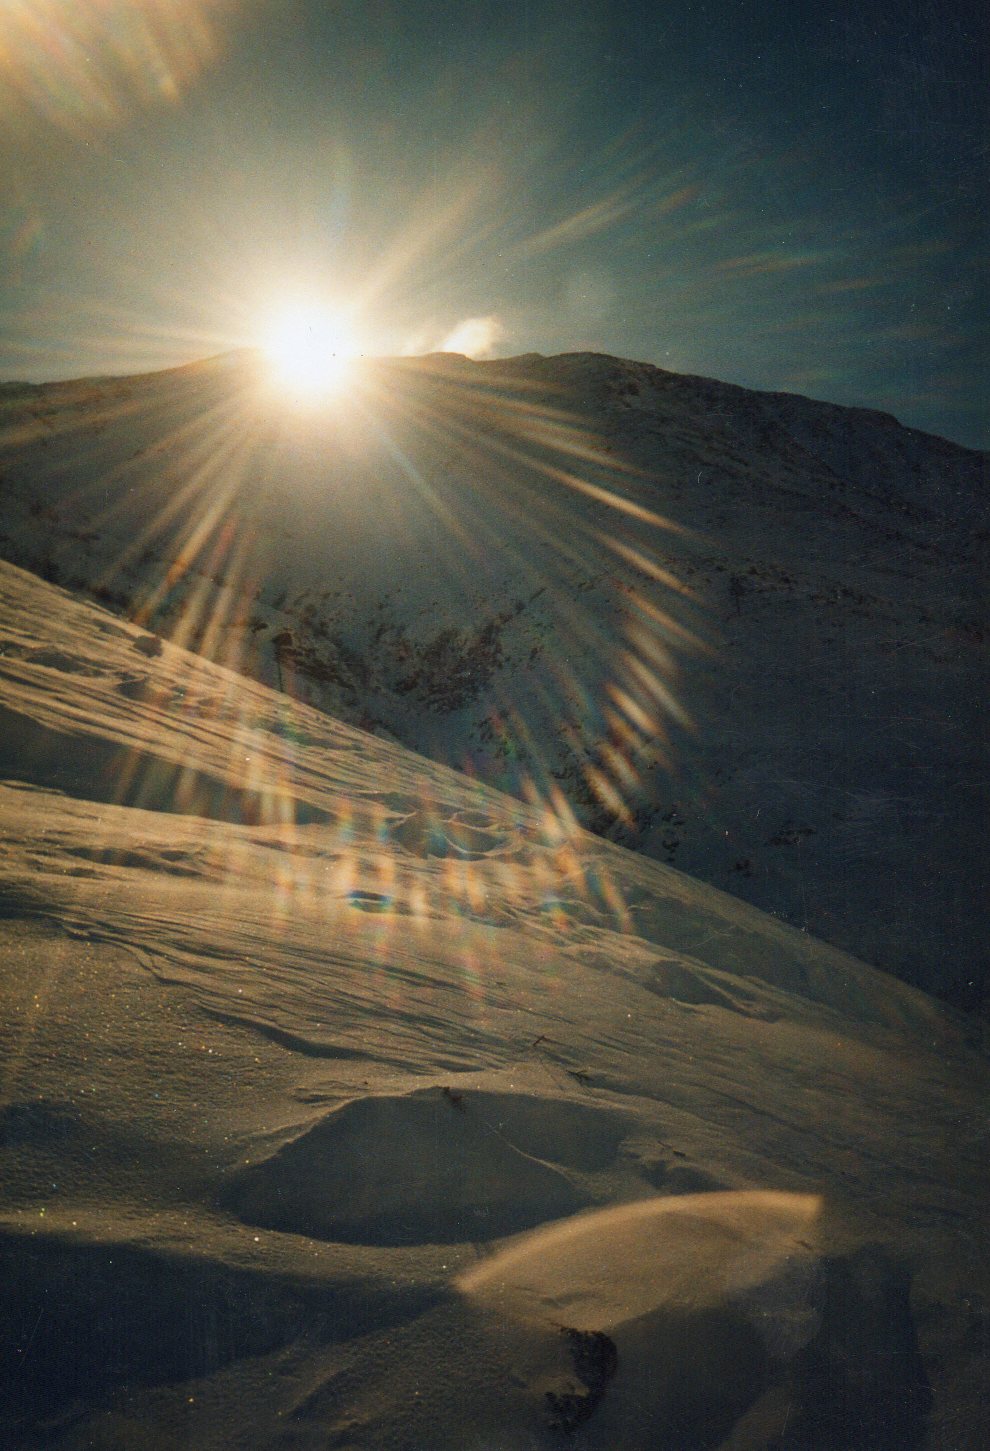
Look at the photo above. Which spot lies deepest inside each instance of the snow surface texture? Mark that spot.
(347, 1102)
(744, 633)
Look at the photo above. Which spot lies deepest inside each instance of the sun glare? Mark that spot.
(310, 351)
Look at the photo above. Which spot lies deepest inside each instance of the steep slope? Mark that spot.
(297, 1028)
(743, 633)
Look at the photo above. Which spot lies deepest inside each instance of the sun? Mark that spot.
(310, 350)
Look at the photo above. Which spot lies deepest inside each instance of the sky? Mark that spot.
(785, 196)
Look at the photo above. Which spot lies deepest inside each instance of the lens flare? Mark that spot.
(87, 65)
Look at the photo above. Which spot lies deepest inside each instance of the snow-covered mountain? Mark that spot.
(346, 1101)
(741, 632)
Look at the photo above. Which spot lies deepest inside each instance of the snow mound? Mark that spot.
(437, 1165)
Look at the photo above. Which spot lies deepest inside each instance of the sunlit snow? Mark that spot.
(346, 1100)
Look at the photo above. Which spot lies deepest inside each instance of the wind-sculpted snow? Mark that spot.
(345, 1100)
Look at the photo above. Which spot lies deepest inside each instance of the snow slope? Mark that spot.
(345, 1101)
(742, 632)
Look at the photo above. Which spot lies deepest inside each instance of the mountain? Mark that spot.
(743, 633)
(347, 1101)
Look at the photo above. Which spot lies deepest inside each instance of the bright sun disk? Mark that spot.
(309, 350)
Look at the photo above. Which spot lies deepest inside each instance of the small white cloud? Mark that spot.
(476, 336)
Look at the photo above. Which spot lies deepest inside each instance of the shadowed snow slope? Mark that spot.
(345, 1101)
(544, 571)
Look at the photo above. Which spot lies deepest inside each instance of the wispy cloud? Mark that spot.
(476, 336)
